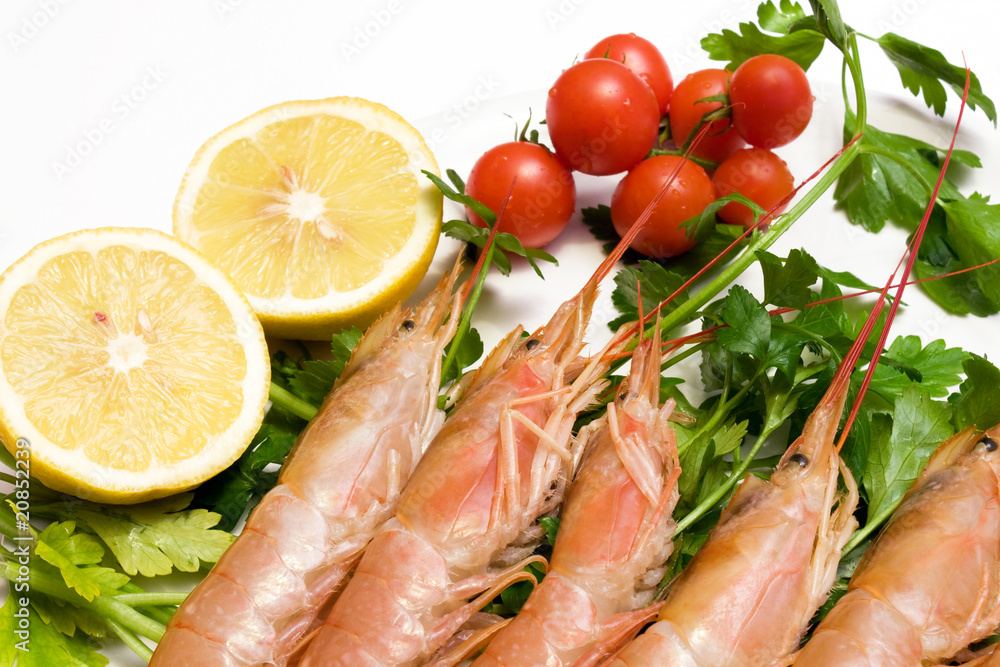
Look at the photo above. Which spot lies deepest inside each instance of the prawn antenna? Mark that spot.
(845, 370)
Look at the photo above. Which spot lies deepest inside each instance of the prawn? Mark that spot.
(468, 514)
(340, 482)
(930, 583)
(615, 534)
(747, 595)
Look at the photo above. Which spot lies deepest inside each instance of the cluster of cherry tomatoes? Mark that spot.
(606, 114)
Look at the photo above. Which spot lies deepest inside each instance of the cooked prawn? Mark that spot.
(748, 594)
(930, 583)
(470, 510)
(615, 534)
(340, 482)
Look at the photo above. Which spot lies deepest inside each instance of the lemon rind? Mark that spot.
(70, 471)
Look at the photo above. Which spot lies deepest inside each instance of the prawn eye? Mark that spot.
(799, 459)
(989, 443)
(409, 324)
(531, 344)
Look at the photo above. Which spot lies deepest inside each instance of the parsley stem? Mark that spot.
(288, 401)
(771, 424)
(725, 277)
(151, 599)
(130, 639)
(681, 356)
(466, 322)
(104, 605)
(720, 412)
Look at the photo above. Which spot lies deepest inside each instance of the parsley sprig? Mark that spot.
(891, 176)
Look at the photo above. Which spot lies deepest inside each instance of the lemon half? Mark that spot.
(130, 367)
(318, 211)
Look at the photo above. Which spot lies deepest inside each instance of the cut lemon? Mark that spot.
(318, 211)
(130, 367)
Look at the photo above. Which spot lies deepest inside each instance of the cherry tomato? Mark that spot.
(772, 101)
(757, 174)
(544, 195)
(602, 118)
(688, 195)
(686, 113)
(643, 58)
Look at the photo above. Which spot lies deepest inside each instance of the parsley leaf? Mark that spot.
(46, 646)
(551, 526)
(801, 45)
(900, 447)
(657, 283)
(890, 180)
(935, 367)
(66, 618)
(469, 351)
(150, 539)
(922, 69)
(464, 230)
(749, 330)
(974, 228)
(236, 489)
(959, 294)
(66, 550)
(978, 405)
(787, 283)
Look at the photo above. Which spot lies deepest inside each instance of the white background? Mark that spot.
(104, 103)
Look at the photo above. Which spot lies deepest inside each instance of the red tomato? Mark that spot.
(544, 195)
(643, 58)
(772, 101)
(602, 118)
(688, 195)
(686, 113)
(757, 174)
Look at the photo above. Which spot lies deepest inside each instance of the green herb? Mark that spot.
(46, 646)
(977, 404)
(76, 592)
(785, 21)
(463, 230)
(238, 488)
(891, 176)
(150, 539)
